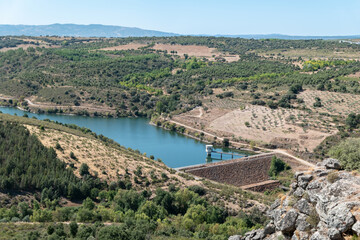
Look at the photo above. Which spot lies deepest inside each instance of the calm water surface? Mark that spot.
(173, 149)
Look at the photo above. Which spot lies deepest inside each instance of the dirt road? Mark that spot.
(281, 151)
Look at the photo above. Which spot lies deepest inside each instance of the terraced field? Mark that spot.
(288, 128)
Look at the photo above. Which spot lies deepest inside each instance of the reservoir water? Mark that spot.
(174, 149)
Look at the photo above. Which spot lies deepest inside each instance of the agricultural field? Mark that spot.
(333, 103)
(286, 128)
(307, 54)
(289, 94)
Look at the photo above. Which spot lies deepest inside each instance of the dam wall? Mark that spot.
(240, 172)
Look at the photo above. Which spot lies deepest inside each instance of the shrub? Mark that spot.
(84, 169)
(348, 153)
(73, 228)
(313, 219)
(277, 166)
(333, 177)
(197, 189)
(58, 147)
(72, 156)
(226, 142)
(113, 232)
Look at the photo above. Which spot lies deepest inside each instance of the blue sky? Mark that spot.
(305, 17)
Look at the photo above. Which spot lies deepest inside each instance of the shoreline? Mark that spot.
(235, 145)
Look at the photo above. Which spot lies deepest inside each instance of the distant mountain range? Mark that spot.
(98, 30)
(75, 30)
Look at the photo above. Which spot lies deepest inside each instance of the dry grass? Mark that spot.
(180, 50)
(287, 128)
(333, 103)
(109, 163)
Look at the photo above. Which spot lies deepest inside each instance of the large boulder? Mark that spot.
(340, 218)
(356, 228)
(304, 206)
(287, 224)
(269, 229)
(334, 234)
(299, 192)
(302, 224)
(331, 163)
(304, 180)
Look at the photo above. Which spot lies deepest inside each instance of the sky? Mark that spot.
(226, 17)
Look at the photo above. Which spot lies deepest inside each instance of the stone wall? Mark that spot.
(238, 172)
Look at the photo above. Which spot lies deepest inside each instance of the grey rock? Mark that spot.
(331, 163)
(313, 190)
(334, 234)
(299, 192)
(300, 236)
(304, 180)
(298, 174)
(276, 204)
(322, 172)
(304, 206)
(320, 164)
(288, 222)
(235, 237)
(356, 228)
(277, 214)
(276, 236)
(269, 229)
(301, 223)
(319, 236)
(340, 218)
(254, 235)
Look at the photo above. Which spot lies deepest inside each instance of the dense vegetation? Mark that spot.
(171, 213)
(348, 153)
(29, 166)
(25, 164)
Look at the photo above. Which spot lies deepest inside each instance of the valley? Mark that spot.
(105, 132)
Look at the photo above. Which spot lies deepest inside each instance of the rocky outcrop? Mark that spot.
(322, 204)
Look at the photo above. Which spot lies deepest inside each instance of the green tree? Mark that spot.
(84, 169)
(277, 166)
(73, 229)
(152, 210)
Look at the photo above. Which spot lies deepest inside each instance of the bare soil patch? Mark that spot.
(180, 50)
(26, 46)
(191, 50)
